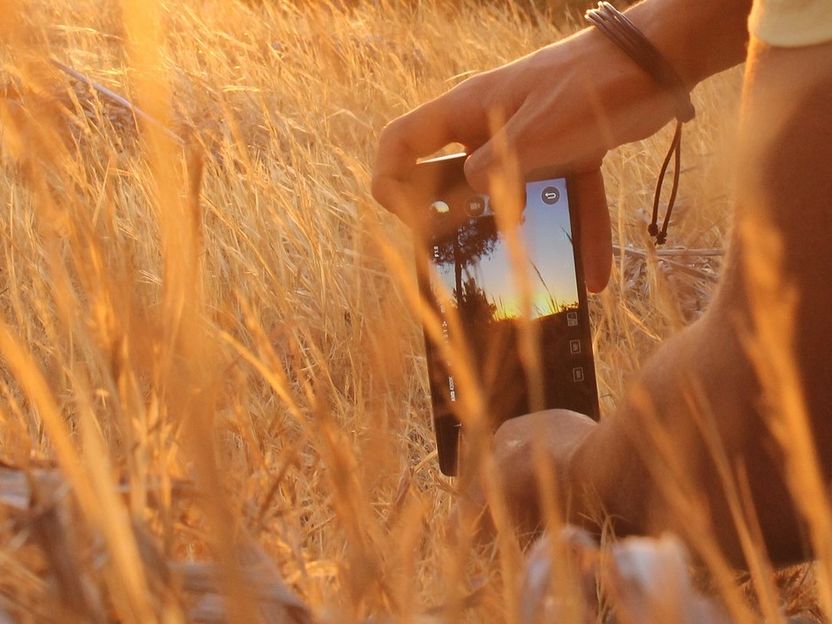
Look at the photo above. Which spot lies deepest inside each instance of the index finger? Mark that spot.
(454, 117)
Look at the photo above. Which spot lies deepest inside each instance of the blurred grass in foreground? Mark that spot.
(212, 341)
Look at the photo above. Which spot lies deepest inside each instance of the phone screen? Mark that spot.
(470, 257)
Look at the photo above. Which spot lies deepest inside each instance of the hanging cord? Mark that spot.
(618, 28)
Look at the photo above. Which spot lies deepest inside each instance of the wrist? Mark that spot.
(698, 38)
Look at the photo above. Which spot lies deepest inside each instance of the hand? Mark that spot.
(559, 433)
(565, 106)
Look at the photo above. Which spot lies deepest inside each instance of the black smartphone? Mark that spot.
(461, 243)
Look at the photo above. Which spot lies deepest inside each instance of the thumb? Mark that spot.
(479, 167)
(483, 162)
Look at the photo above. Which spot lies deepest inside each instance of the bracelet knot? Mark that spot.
(619, 29)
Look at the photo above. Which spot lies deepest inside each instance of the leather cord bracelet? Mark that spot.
(618, 28)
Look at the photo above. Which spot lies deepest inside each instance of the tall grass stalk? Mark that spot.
(216, 344)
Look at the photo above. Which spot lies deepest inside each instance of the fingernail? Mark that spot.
(474, 171)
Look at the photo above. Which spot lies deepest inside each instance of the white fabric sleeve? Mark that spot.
(791, 23)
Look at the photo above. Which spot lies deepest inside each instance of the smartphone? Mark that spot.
(462, 247)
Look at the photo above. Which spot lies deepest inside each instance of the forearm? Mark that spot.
(621, 465)
(705, 374)
(649, 465)
(698, 37)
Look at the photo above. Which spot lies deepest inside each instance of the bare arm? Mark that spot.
(785, 178)
(565, 105)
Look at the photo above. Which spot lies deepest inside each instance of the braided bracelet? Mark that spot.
(618, 28)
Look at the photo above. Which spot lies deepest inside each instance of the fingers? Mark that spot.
(556, 433)
(481, 164)
(587, 190)
(460, 116)
(456, 116)
(530, 138)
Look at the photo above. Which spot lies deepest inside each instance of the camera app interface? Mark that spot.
(471, 258)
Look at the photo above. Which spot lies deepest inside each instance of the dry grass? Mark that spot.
(206, 339)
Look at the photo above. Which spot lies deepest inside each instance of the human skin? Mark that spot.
(565, 106)
(558, 113)
(784, 180)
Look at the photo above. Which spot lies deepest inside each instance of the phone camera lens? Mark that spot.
(475, 206)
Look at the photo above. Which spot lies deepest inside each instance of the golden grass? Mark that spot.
(208, 340)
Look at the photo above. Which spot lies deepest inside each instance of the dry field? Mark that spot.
(214, 398)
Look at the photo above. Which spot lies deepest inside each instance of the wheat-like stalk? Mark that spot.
(214, 397)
